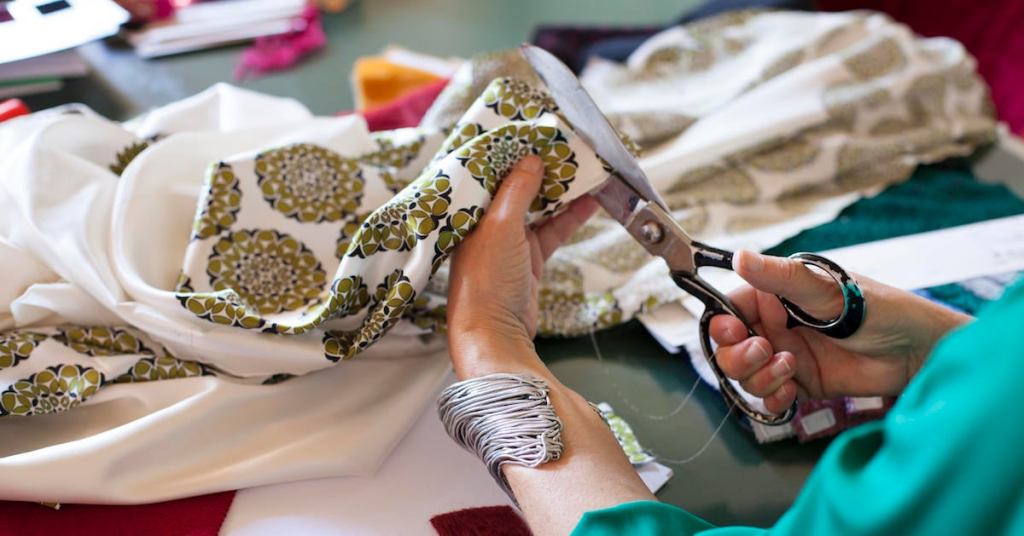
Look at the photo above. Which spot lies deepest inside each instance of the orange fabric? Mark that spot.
(378, 81)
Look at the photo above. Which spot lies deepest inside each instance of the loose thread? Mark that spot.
(686, 400)
(627, 402)
(704, 447)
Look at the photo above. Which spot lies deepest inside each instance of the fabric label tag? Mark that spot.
(819, 420)
(865, 403)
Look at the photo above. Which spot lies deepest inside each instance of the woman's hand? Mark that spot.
(898, 333)
(492, 318)
(495, 274)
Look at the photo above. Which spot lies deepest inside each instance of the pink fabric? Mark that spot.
(195, 516)
(280, 52)
(406, 111)
(990, 30)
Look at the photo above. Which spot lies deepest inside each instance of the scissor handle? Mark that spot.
(715, 303)
(852, 315)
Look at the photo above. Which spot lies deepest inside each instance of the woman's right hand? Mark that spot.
(898, 333)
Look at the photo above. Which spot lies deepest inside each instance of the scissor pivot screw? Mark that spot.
(651, 232)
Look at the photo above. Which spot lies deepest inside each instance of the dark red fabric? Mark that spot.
(485, 521)
(993, 31)
(568, 43)
(195, 516)
(406, 111)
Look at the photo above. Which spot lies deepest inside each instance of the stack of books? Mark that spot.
(212, 23)
(40, 74)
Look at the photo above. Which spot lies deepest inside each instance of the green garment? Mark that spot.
(947, 459)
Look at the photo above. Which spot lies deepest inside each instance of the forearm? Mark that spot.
(592, 473)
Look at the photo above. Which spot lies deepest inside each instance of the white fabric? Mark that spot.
(80, 245)
(427, 475)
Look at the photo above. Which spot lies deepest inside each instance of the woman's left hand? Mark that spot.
(495, 275)
(492, 318)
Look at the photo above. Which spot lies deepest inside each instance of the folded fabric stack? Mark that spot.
(195, 284)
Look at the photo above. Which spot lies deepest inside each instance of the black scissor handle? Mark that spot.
(852, 315)
(715, 303)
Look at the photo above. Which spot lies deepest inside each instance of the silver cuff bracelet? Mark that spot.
(503, 418)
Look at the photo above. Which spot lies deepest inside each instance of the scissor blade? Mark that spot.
(618, 199)
(590, 124)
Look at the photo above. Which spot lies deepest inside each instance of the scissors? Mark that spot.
(629, 198)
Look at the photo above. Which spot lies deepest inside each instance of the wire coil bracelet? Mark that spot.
(504, 419)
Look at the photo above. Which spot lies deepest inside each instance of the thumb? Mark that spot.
(518, 190)
(814, 292)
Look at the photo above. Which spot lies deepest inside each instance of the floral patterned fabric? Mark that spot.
(88, 358)
(344, 219)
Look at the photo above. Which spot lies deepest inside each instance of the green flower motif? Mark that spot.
(458, 137)
(390, 158)
(338, 345)
(428, 318)
(269, 270)
(455, 229)
(385, 229)
(162, 368)
(17, 346)
(390, 301)
(517, 100)
(218, 307)
(490, 156)
(410, 216)
(348, 295)
(54, 389)
(391, 155)
(126, 155)
(428, 204)
(101, 341)
(348, 230)
(309, 183)
(223, 201)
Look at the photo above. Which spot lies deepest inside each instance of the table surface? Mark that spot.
(734, 481)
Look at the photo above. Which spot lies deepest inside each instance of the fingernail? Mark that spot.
(533, 164)
(781, 393)
(754, 261)
(780, 368)
(756, 352)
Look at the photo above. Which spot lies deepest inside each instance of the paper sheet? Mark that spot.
(35, 31)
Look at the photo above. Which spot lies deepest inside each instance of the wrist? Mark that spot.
(480, 351)
(931, 325)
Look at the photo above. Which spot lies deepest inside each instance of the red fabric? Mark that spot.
(406, 111)
(486, 521)
(11, 108)
(195, 516)
(990, 30)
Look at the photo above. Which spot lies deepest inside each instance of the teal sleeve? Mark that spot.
(947, 459)
(639, 518)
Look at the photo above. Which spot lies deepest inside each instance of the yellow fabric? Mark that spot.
(377, 81)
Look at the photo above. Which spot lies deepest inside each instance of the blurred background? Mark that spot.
(121, 84)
